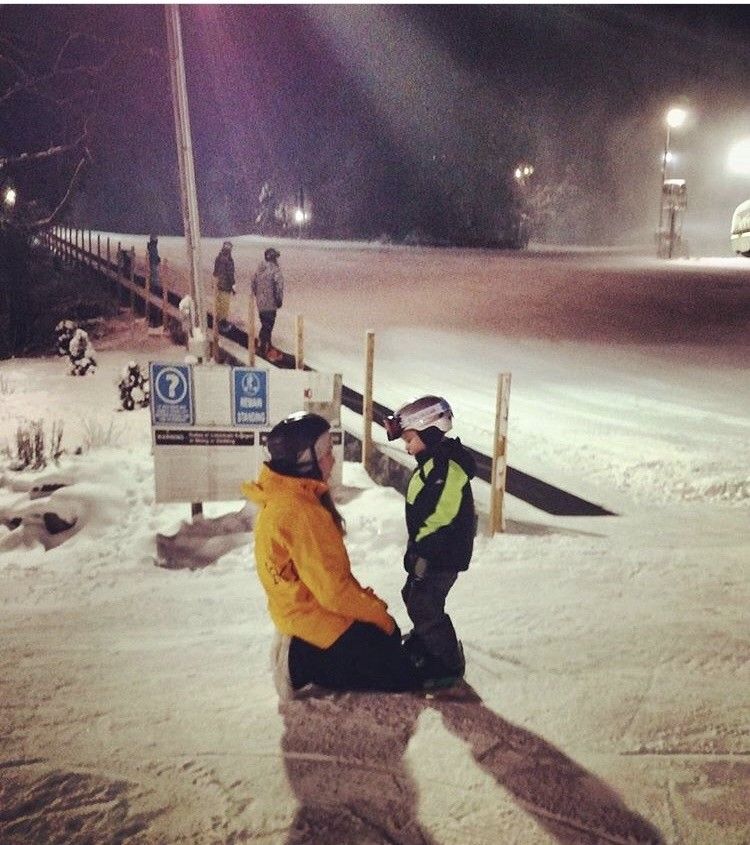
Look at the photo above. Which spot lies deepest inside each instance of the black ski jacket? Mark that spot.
(440, 515)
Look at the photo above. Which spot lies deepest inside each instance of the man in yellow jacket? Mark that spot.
(333, 632)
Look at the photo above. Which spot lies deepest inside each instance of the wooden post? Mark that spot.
(164, 302)
(118, 275)
(131, 280)
(90, 256)
(147, 308)
(216, 353)
(367, 399)
(109, 271)
(98, 252)
(251, 330)
(499, 456)
(299, 357)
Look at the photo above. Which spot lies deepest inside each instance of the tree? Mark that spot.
(47, 100)
(45, 107)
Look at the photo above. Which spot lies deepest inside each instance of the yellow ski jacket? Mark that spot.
(303, 564)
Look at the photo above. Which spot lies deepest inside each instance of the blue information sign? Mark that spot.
(249, 396)
(171, 394)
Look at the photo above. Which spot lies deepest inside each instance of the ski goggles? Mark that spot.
(393, 427)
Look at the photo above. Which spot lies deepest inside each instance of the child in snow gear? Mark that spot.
(332, 632)
(134, 387)
(441, 523)
(74, 342)
(224, 275)
(64, 331)
(268, 290)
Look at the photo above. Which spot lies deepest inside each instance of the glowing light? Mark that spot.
(523, 171)
(738, 160)
(10, 197)
(299, 216)
(676, 117)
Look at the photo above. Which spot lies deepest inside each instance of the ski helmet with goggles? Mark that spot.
(291, 444)
(271, 254)
(420, 414)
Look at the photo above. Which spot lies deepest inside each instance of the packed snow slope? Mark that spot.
(610, 653)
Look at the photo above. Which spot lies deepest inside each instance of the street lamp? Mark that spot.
(738, 160)
(675, 118)
(10, 197)
(522, 173)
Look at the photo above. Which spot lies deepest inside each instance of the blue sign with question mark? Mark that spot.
(171, 394)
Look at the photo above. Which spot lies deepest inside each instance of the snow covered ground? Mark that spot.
(610, 653)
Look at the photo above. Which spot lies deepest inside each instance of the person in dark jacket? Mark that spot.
(441, 524)
(224, 275)
(154, 259)
(268, 290)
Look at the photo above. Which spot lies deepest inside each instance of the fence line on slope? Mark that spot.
(160, 299)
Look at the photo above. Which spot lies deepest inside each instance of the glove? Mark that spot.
(233, 291)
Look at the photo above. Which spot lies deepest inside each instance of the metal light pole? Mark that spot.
(197, 345)
(187, 170)
(675, 119)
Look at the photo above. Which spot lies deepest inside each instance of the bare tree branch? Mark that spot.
(44, 222)
(30, 158)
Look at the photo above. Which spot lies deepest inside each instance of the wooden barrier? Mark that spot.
(367, 404)
(498, 474)
(299, 356)
(250, 330)
(499, 456)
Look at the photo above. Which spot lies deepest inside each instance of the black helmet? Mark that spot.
(271, 254)
(420, 415)
(291, 444)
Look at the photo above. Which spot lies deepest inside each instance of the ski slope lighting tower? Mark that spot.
(187, 169)
(675, 119)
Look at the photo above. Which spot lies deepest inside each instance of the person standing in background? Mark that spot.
(224, 275)
(154, 260)
(268, 290)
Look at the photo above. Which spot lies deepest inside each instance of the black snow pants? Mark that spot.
(362, 658)
(424, 597)
(267, 320)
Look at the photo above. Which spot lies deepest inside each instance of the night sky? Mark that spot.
(358, 103)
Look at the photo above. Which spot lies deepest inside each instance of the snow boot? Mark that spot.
(282, 679)
(433, 672)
